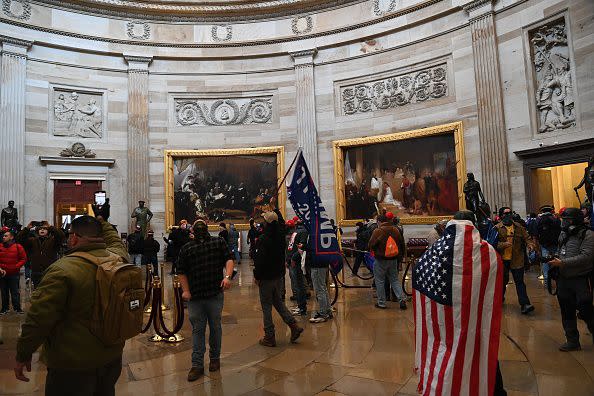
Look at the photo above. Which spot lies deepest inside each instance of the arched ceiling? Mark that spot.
(199, 10)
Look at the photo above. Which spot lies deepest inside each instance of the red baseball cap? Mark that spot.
(295, 219)
(290, 223)
(389, 215)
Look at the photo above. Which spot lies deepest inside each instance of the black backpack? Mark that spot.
(549, 229)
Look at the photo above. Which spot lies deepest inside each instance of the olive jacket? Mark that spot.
(519, 244)
(61, 307)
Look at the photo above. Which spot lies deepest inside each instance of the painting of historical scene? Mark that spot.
(415, 177)
(231, 188)
(77, 114)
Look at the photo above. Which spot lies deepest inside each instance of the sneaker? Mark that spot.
(570, 346)
(380, 306)
(329, 315)
(299, 312)
(403, 305)
(526, 309)
(318, 318)
(20, 312)
(3, 313)
(295, 332)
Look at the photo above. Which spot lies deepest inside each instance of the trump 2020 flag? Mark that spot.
(457, 305)
(307, 205)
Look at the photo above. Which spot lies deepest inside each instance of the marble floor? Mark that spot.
(362, 351)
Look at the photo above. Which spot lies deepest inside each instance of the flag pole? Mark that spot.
(288, 170)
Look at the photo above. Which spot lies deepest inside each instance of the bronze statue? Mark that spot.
(587, 181)
(10, 216)
(475, 200)
(143, 216)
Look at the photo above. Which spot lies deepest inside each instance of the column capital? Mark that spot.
(305, 57)
(15, 46)
(138, 63)
(479, 8)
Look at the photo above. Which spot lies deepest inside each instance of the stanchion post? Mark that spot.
(164, 307)
(156, 337)
(176, 285)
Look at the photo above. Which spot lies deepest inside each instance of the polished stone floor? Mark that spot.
(363, 351)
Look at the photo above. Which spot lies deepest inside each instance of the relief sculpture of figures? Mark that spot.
(554, 95)
(77, 115)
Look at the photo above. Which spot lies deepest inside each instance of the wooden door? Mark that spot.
(73, 198)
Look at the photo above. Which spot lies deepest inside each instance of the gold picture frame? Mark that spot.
(455, 128)
(171, 155)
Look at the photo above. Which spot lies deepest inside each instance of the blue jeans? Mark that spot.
(201, 311)
(9, 286)
(136, 259)
(154, 261)
(386, 268)
(298, 282)
(235, 250)
(545, 252)
(318, 278)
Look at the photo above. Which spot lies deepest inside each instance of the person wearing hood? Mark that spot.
(12, 258)
(269, 274)
(512, 242)
(575, 265)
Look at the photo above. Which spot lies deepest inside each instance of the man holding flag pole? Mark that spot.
(322, 250)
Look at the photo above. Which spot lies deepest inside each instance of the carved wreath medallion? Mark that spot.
(19, 9)
(189, 112)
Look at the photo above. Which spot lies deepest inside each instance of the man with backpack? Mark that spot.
(548, 229)
(387, 245)
(70, 316)
(575, 263)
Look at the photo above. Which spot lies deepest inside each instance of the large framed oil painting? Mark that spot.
(418, 175)
(228, 186)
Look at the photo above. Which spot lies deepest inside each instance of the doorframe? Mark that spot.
(67, 168)
(555, 155)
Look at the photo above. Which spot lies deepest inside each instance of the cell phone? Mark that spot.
(100, 197)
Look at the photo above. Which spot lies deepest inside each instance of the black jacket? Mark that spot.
(150, 247)
(135, 243)
(176, 240)
(269, 259)
(576, 252)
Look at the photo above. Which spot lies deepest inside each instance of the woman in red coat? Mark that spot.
(12, 258)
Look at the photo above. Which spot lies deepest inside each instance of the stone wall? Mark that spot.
(182, 61)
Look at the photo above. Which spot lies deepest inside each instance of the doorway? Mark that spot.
(553, 185)
(72, 199)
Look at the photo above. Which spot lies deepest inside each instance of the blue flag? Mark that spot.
(307, 204)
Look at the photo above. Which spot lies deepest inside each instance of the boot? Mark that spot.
(268, 341)
(295, 332)
(195, 373)
(570, 346)
(215, 365)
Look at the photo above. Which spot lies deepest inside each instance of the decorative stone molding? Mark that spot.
(19, 9)
(138, 64)
(77, 112)
(138, 30)
(220, 112)
(395, 91)
(382, 7)
(77, 150)
(475, 4)
(15, 47)
(228, 33)
(551, 62)
(298, 22)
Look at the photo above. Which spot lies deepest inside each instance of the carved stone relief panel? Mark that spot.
(381, 7)
(222, 33)
(223, 111)
(138, 30)
(395, 91)
(77, 112)
(302, 25)
(551, 60)
(20, 9)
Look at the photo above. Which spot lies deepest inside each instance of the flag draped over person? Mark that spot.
(308, 206)
(457, 305)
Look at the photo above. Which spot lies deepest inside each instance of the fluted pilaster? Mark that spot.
(492, 133)
(138, 133)
(12, 122)
(307, 134)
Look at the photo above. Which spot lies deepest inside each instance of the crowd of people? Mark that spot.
(562, 243)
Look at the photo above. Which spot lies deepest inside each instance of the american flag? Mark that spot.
(457, 305)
